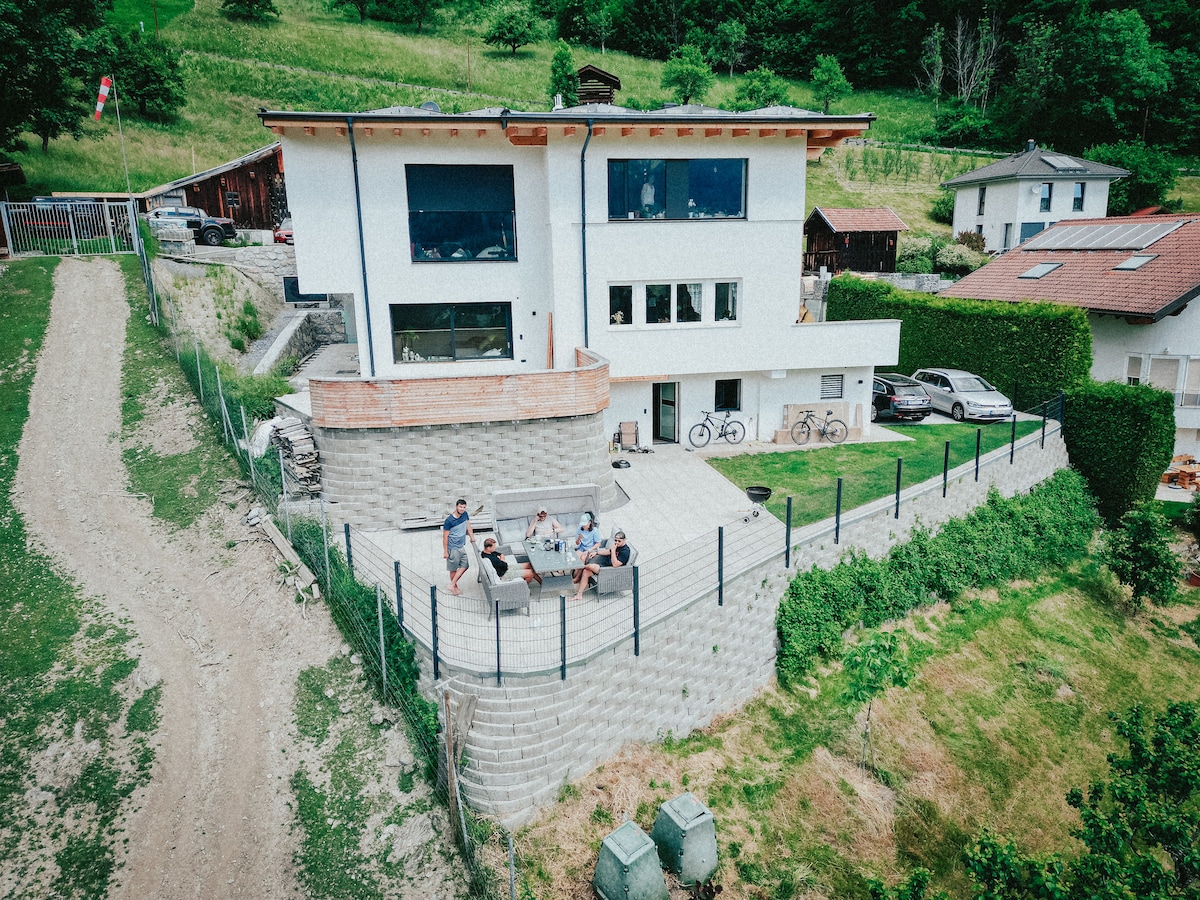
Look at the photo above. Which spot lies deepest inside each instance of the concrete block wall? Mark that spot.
(379, 477)
(530, 735)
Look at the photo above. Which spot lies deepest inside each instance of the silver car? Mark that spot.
(963, 395)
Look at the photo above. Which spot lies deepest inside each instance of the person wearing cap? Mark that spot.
(597, 558)
(544, 525)
(587, 536)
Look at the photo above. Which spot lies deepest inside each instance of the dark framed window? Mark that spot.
(1077, 199)
(727, 394)
(688, 299)
(658, 304)
(677, 189)
(982, 199)
(1047, 196)
(232, 199)
(727, 301)
(443, 332)
(620, 304)
(460, 213)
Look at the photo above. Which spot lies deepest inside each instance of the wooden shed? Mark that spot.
(596, 85)
(250, 190)
(857, 240)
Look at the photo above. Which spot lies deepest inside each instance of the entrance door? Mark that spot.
(666, 426)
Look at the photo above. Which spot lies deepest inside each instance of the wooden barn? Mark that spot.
(856, 240)
(596, 85)
(250, 190)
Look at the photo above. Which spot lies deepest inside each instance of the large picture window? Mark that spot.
(678, 303)
(442, 332)
(458, 213)
(620, 304)
(677, 188)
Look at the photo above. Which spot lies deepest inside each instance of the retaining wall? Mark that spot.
(530, 735)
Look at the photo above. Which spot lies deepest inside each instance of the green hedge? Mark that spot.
(1120, 437)
(999, 541)
(1030, 351)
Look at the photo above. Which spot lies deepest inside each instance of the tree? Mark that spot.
(687, 76)
(1152, 174)
(762, 87)
(1140, 828)
(974, 58)
(1139, 553)
(249, 10)
(564, 79)
(872, 667)
(829, 81)
(359, 6)
(729, 43)
(146, 71)
(513, 26)
(933, 65)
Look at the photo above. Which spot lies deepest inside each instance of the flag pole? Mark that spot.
(134, 232)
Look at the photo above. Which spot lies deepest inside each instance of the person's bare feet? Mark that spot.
(455, 590)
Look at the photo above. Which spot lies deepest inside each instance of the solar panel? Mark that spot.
(1064, 163)
(1125, 236)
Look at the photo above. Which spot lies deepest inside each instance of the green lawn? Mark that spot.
(868, 471)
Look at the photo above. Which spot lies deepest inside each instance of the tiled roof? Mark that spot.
(879, 218)
(1090, 279)
(1038, 163)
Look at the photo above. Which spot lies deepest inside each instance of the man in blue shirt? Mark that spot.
(455, 531)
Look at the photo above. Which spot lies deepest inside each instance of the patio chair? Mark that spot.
(506, 596)
(628, 436)
(616, 579)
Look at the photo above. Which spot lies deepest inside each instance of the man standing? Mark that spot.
(455, 531)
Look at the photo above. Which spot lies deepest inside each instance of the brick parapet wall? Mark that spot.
(530, 735)
(375, 477)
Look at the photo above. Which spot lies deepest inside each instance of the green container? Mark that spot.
(628, 867)
(686, 837)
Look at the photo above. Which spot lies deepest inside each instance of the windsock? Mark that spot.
(105, 84)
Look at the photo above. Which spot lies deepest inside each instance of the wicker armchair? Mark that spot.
(506, 596)
(616, 579)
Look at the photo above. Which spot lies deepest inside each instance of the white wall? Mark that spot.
(1015, 202)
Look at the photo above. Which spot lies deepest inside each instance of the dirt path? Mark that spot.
(227, 644)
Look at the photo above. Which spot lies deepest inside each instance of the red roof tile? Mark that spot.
(879, 218)
(1089, 279)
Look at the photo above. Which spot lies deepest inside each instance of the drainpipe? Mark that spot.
(362, 251)
(583, 225)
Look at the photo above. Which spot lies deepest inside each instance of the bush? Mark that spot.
(943, 208)
(915, 247)
(1139, 553)
(1120, 437)
(1030, 351)
(956, 259)
(915, 265)
(973, 240)
(1001, 540)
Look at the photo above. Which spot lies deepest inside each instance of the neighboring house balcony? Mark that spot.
(409, 402)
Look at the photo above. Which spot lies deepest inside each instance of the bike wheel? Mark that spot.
(836, 430)
(700, 435)
(800, 433)
(735, 432)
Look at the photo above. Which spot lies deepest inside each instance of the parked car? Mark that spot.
(209, 229)
(283, 234)
(895, 396)
(962, 395)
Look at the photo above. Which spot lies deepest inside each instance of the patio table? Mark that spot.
(544, 561)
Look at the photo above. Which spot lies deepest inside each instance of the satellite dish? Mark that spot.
(431, 106)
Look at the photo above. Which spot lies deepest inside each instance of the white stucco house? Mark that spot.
(1138, 277)
(594, 264)
(1013, 199)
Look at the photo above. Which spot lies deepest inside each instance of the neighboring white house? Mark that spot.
(498, 246)
(1013, 199)
(1138, 277)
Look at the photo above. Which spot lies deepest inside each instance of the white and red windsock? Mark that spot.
(105, 84)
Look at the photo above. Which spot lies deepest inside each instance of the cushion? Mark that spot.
(511, 531)
(489, 571)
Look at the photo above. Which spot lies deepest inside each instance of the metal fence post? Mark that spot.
(325, 541)
(349, 550)
(837, 514)
(199, 374)
(497, 605)
(946, 470)
(1012, 445)
(246, 435)
(720, 565)
(399, 595)
(637, 619)
(382, 644)
(899, 472)
(221, 403)
(1045, 408)
(978, 448)
(437, 672)
(562, 636)
(287, 507)
(787, 548)
(512, 871)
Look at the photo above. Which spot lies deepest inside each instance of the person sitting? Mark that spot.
(598, 558)
(544, 525)
(588, 535)
(505, 571)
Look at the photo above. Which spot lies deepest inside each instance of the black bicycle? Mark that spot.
(730, 429)
(834, 429)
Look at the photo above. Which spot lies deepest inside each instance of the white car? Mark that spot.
(962, 395)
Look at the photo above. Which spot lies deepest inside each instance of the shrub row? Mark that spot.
(999, 541)
(1030, 351)
(1120, 437)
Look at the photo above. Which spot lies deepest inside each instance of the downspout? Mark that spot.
(583, 225)
(362, 251)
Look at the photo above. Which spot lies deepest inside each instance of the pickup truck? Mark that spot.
(209, 229)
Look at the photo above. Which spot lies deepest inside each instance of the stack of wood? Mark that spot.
(299, 455)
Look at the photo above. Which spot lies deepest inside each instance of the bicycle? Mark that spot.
(731, 429)
(834, 429)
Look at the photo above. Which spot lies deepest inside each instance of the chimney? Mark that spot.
(1030, 145)
(558, 101)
